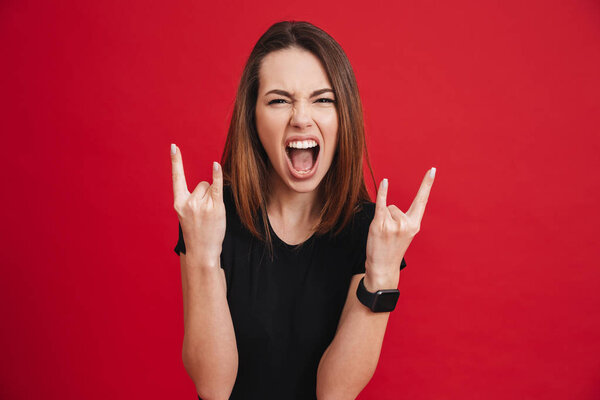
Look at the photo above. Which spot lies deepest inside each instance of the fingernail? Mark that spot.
(385, 183)
(432, 172)
(215, 166)
(173, 149)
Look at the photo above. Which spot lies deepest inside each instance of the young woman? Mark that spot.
(273, 253)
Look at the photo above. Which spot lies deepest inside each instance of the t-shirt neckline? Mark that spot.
(287, 245)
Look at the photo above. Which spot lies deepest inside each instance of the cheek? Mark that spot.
(329, 130)
(269, 130)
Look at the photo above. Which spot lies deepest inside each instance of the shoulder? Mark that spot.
(357, 228)
(363, 215)
(228, 198)
(365, 212)
(227, 194)
(233, 218)
(229, 201)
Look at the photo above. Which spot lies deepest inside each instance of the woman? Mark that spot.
(273, 253)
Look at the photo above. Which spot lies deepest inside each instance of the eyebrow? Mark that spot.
(287, 94)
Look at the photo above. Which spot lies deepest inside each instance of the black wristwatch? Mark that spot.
(381, 301)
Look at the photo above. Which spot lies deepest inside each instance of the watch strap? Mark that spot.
(380, 301)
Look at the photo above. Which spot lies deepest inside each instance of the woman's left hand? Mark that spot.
(390, 234)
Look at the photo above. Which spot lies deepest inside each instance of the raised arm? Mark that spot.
(349, 362)
(209, 350)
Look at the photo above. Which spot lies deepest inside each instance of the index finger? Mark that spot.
(179, 184)
(417, 208)
(380, 202)
(217, 184)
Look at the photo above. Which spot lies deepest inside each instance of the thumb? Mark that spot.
(380, 202)
(217, 184)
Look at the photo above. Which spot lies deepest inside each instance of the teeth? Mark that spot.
(302, 144)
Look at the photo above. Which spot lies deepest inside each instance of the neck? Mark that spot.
(290, 207)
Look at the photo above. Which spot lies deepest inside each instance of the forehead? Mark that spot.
(292, 69)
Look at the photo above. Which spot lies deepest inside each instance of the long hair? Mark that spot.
(245, 162)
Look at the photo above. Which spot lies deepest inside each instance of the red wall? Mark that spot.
(501, 296)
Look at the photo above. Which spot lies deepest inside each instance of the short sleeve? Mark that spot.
(180, 247)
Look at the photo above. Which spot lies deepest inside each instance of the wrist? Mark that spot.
(374, 282)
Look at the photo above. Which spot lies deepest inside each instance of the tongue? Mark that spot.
(302, 159)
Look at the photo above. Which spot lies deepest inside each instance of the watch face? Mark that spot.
(386, 301)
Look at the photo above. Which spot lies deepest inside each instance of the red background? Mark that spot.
(501, 297)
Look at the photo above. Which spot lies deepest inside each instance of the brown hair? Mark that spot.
(245, 162)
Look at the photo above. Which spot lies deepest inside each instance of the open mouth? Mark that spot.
(303, 156)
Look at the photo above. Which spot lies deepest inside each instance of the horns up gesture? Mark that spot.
(201, 214)
(391, 232)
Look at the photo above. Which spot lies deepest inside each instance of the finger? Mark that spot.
(417, 208)
(217, 185)
(200, 190)
(179, 184)
(397, 214)
(380, 203)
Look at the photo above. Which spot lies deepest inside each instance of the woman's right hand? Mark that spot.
(201, 214)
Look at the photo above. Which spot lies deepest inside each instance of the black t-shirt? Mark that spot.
(285, 311)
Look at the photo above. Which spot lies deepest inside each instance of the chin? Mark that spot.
(304, 187)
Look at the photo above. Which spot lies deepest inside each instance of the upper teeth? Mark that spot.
(302, 144)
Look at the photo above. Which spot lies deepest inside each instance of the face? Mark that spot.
(296, 117)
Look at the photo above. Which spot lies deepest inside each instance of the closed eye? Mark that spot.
(321, 100)
(276, 101)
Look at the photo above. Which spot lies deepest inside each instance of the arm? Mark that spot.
(209, 350)
(209, 347)
(349, 362)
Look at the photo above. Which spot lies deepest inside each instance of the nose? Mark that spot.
(301, 116)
